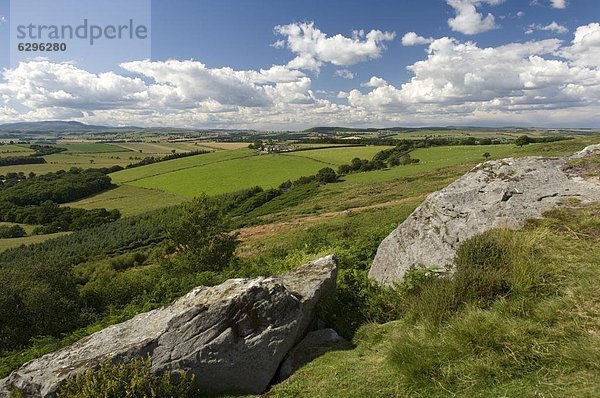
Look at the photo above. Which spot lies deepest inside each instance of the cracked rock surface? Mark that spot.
(233, 336)
(499, 193)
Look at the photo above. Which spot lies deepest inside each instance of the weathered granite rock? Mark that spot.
(500, 193)
(311, 347)
(233, 337)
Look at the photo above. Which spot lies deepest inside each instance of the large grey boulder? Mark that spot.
(232, 337)
(500, 193)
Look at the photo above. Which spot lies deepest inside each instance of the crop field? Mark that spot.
(89, 147)
(168, 147)
(152, 147)
(223, 145)
(80, 154)
(14, 150)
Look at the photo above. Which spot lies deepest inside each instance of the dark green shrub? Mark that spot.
(11, 231)
(326, 175)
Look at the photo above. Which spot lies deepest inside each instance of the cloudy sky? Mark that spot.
(283, 64)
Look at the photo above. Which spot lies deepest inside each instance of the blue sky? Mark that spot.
(476, 62)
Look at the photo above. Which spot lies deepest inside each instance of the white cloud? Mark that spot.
(40, 84)
(551, 27)
(462, 79)
(542, 82)
(521, 14)
(467, 20)
(2, 20)
(585, 48)
(344, 74)
(313, 47)
(413, 39)
(375, 82)
(560, 4)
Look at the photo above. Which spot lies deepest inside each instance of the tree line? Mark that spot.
(35, 200)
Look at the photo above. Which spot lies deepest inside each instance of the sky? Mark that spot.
(287, 65)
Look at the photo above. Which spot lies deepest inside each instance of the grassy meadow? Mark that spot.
(537, 339)
(129, 200)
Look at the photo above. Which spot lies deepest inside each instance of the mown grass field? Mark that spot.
(170, 166)
(339, 156)
(267, 171)
(129, 200)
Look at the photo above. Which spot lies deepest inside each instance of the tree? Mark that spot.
(201, 235)
(523, 140)
(326, 175)
(355, 164)
(486, 155)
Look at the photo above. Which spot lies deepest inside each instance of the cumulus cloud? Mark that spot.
(313, 48)
(585, 47)
(536, 82)
(42, 84)
(468, 20)
(551, 27)
(413, 39)
(344, 74)
(464, 79)
(560, 4)
(375, 82)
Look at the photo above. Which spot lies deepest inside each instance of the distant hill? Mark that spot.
(72, 127)
(49, 127)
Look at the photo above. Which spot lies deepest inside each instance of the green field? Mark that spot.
(229, 171)
(170, 166)
(14, 150)
(267, 171)
(79, 154)
(168, 182)
(129, 200)
(339, 156)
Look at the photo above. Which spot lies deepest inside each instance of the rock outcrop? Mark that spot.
(500, 193)
(232, 337)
